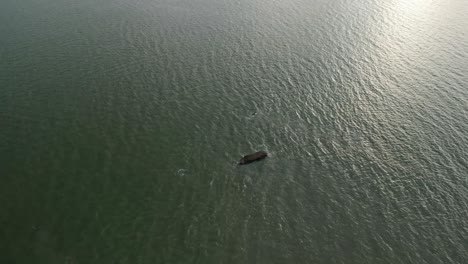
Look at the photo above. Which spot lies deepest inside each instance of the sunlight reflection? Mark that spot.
(413, 8)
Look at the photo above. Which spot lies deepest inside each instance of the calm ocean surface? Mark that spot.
(121, 123)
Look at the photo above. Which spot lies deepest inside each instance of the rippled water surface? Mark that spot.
(121, 123)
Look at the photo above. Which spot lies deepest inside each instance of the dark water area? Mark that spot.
(121, 123)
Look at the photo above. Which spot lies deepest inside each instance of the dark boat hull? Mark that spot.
(257, 156)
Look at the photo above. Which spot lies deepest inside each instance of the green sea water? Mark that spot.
(121, 123)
